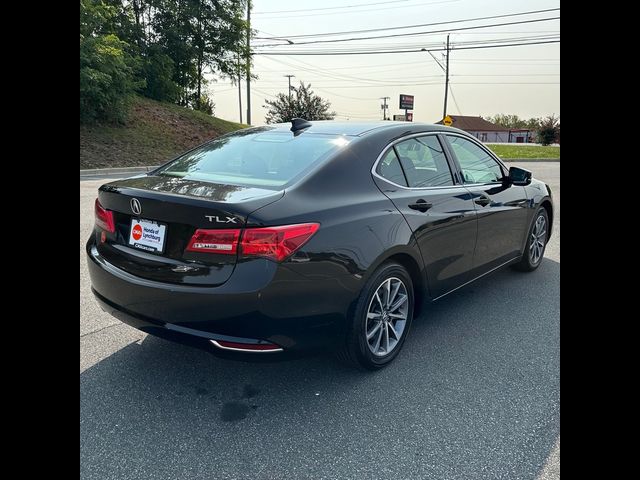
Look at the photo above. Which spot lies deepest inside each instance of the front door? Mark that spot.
(416, 176)
(501, 207)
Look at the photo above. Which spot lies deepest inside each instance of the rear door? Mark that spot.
(502, 207)
(416, 176)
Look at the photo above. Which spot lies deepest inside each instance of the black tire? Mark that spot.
(356, 350)
(530, 262)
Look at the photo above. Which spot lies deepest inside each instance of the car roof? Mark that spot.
(360, 128)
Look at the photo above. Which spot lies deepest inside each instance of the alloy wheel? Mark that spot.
(387, 316)
(538, 239)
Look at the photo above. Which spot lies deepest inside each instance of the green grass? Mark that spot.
(514, 150)
(154, 133)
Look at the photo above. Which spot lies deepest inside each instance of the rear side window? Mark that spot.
(389, 168)
(424, 162)
(257, 157)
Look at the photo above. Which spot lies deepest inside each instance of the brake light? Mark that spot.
(214, 241)
(104, 218)
(276, 243)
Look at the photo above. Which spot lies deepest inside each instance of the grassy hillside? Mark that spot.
(155, 132)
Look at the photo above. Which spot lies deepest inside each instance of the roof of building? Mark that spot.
(474, 124)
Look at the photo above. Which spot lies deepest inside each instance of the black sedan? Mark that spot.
(297, 236)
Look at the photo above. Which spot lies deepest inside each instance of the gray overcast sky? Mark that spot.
(522, 80)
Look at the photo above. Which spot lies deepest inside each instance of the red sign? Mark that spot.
(409, 116)
(406, 102)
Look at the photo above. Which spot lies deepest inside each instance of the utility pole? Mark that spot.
(248, 63)
(289, 77)
(446, 81)
(384, 107)
(239, 88)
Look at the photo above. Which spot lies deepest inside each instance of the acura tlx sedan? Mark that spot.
(309, 235)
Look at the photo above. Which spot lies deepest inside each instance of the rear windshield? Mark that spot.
(257, 157)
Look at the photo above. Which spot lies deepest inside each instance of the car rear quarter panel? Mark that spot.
(359, 226)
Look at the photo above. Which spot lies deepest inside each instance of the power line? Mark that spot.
(329, 8)
(367, 10)
(413, 34)
(372, 52)
(349, 32)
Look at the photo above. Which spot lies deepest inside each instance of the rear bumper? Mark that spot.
(262, 301)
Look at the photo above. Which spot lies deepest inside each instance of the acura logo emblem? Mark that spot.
(135, 206)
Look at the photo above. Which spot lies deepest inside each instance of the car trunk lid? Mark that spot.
(155, 220)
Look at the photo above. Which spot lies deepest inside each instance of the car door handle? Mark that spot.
(484, 201)
(420, 205)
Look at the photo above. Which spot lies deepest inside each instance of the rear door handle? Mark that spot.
(484, 201)
(421, 205)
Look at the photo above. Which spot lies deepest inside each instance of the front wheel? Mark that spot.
(536, 242)
(381, 319)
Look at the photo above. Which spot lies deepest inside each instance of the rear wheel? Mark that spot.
(381, 319)
(536, 242)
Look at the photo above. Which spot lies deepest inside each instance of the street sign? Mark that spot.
(448, 121)
(399, 118)
(406, 102)
(410, 117)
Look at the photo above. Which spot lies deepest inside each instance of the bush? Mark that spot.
(549, 130)
(106, 78)
(206, 105)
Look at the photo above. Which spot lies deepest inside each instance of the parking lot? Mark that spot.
(475, 393)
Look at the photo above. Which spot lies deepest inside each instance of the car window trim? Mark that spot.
(454, 174)
(458, 167)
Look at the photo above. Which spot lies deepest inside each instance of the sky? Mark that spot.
(521, 80)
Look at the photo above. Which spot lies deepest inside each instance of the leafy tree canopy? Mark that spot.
(302, 103)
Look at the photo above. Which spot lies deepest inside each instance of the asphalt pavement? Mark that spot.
(475, 393)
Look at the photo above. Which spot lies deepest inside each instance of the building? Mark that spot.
(490, 132)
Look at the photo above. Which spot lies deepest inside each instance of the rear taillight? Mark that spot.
(276, 243)
(214, 241)
(104, 218)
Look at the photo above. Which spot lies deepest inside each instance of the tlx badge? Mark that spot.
(215, 218)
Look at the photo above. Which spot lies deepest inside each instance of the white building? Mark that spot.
(490, 132)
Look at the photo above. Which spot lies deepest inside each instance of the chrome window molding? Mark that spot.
(402, 139)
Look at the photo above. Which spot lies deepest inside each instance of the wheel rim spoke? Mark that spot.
(377, 345)
(374, 330)
(393, 331)
(398, 303)
(386, 338)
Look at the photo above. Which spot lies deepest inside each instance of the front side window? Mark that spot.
(476, 164)
(424, 162)
(258, 157)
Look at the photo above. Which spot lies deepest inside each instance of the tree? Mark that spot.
(549, 130)
(107, 71)
(161, 48)
(303, 104)
(158, 72)
(507, 121)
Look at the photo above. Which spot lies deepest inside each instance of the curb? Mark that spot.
(109, 171)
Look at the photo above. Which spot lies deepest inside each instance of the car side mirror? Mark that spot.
(519, 176)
